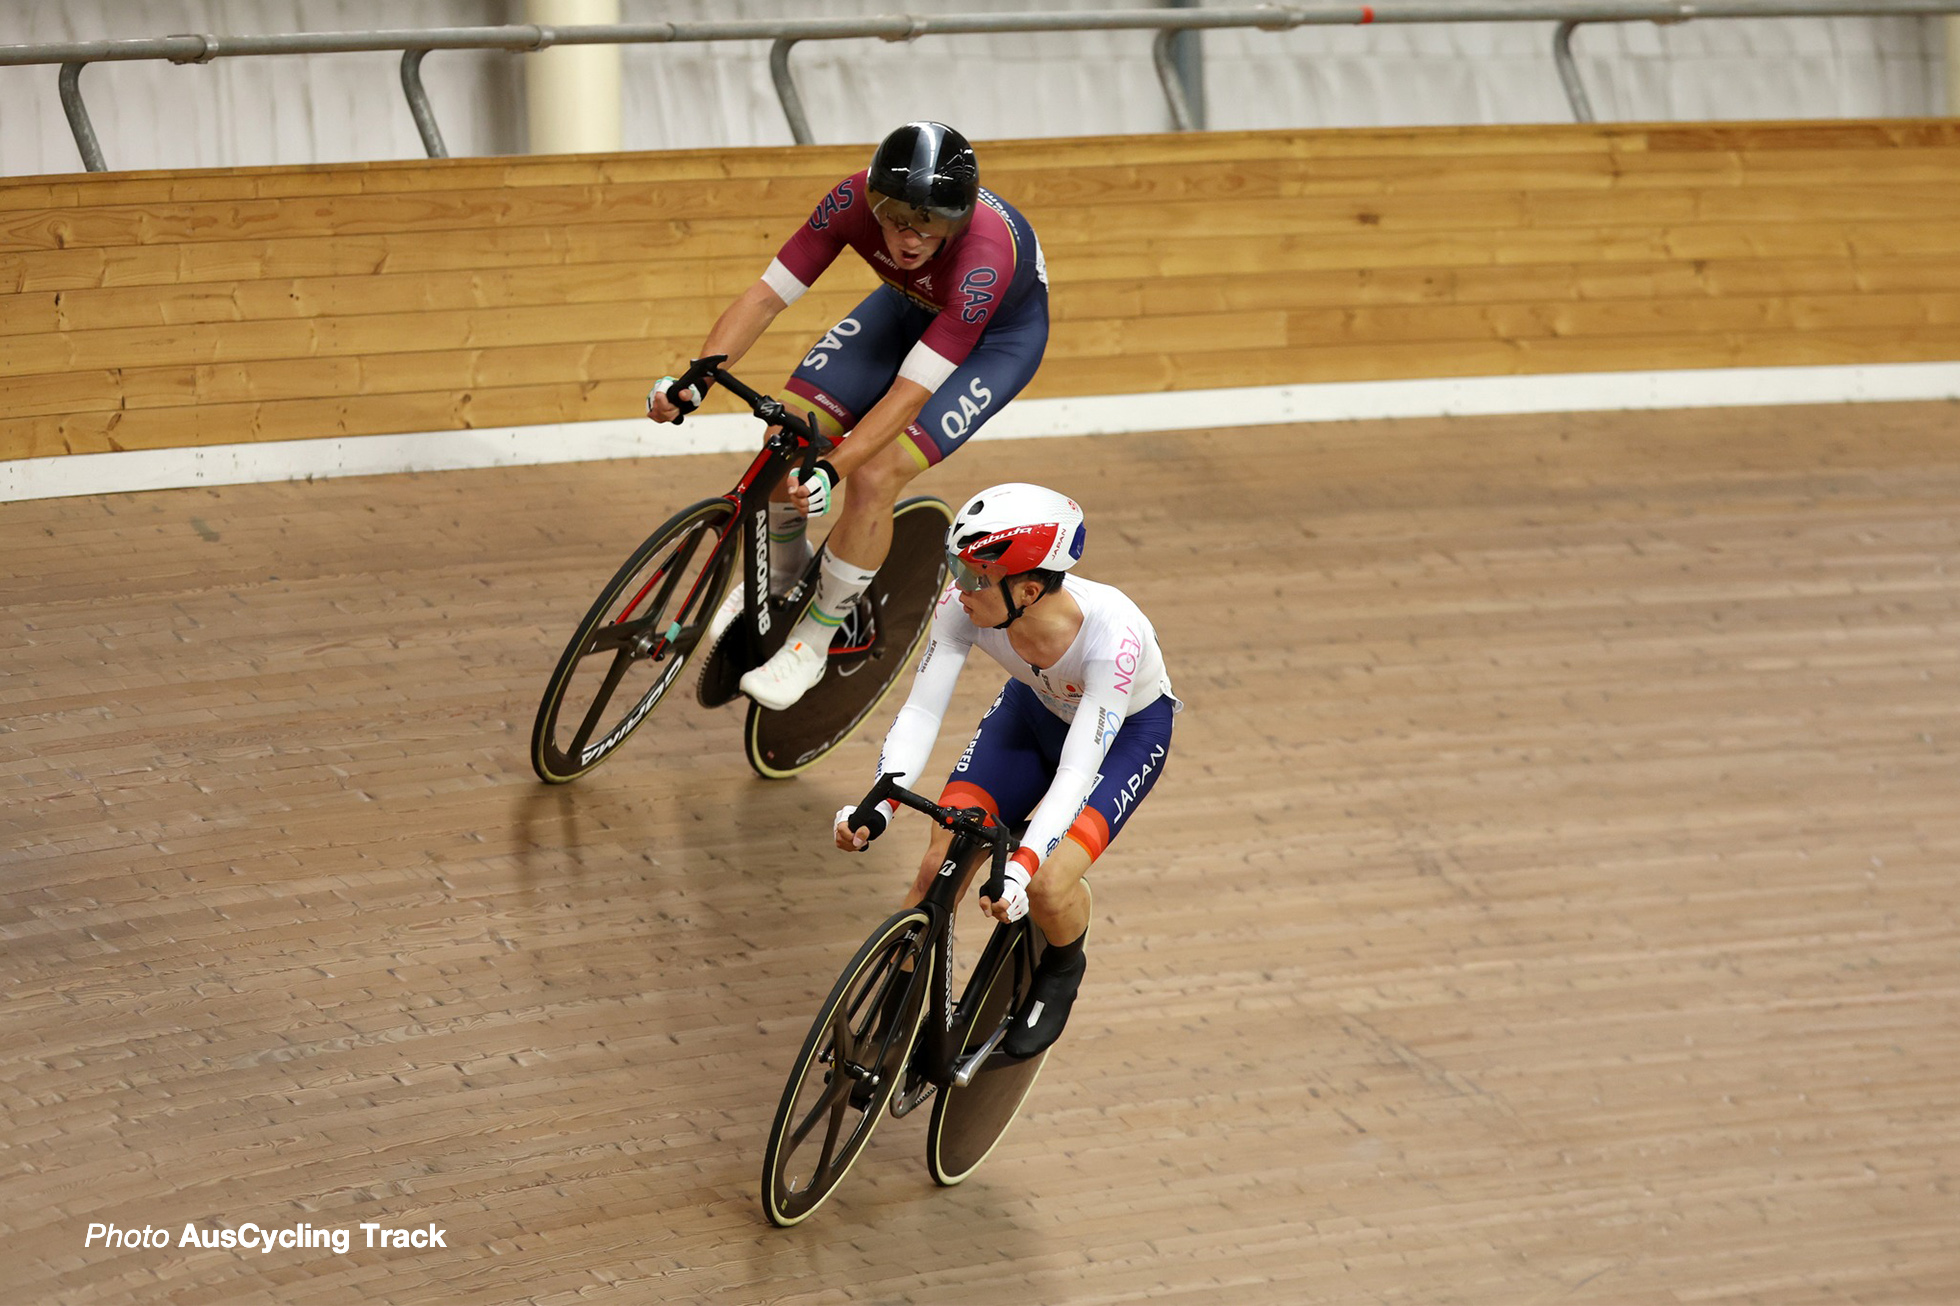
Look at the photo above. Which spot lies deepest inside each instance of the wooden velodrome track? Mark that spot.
(1551, 897)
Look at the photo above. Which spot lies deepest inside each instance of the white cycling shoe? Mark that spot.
(787, 677)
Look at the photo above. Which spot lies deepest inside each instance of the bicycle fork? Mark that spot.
(889, 1003)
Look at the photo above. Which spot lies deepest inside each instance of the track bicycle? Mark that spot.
(659, 608)
(890, 1033)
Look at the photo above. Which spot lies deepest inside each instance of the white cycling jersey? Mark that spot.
(1112, 670)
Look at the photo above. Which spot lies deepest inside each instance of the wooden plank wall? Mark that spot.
(147, 310)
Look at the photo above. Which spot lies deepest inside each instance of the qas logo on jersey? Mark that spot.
(834, 203)
(977, 294)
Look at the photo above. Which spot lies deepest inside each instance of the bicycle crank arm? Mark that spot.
(905, 1103)
(969, 1066)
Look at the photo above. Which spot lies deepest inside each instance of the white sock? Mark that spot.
(789, 546)
(839, 586)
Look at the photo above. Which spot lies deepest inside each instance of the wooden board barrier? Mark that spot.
(157, 310)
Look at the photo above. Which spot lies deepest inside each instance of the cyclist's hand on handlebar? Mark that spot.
(1013, 902)
(660, 402)
(814, 495)
(856, 841)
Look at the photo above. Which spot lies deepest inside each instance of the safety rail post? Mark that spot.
(73, 105)
(786, 93)
(1568, 71)
(1186, 55)
(418, 104)
(1163, 53)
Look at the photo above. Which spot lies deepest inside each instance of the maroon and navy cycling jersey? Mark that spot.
(986, 275)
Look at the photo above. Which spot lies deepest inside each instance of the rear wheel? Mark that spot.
(633, 642)
(968, 1122)
(870, 653)
(849, 1065)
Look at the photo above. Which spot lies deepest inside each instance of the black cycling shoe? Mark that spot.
(1039, 1022)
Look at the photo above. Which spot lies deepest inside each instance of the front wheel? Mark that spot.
(634, 641)
(848, 1068)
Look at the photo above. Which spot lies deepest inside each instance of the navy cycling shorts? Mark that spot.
(852, 367)
(1008, 766)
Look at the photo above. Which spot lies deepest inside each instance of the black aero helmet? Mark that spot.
(929, 168)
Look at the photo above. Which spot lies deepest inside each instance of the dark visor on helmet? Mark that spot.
(969, 580)
(902, 217)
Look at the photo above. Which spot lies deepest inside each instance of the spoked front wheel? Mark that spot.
(634, 641)
(968, 1121)
(849, 1066)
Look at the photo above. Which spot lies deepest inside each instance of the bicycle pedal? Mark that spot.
(859, 632)
(735, 654)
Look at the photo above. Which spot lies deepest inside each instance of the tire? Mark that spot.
(901, 603)
(633, 641)
(968, 1122)
(819, 1129)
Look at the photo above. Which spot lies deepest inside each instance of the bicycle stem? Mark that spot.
(765, 408)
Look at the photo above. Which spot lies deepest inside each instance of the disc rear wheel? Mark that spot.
(968, 1122)
(868, 655)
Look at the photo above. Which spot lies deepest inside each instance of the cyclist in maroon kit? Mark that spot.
(956, 330)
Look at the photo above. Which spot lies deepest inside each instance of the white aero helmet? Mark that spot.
(1014, 528)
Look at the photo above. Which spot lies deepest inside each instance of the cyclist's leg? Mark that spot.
(1058, 895)
(1004, 771)
(935, 857)
(1059, 903)
(999, 367)
(997, 370)
(840, 378)
(1004, 763)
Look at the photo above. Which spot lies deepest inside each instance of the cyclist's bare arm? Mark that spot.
(877, 429)
(874, 433)
(734, 333)
(924, 370)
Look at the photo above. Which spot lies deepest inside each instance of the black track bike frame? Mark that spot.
(791, 436)
(939, 1054)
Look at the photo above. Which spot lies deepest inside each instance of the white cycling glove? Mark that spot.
(881, 817)
(819, 484)
(1015, 892)
(687, 400)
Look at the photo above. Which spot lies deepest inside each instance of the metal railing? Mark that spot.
(785, 35)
